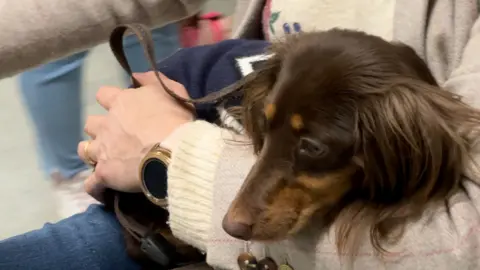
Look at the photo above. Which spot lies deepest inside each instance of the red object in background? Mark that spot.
(193, 30)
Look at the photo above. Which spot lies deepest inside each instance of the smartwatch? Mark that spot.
(153, 174)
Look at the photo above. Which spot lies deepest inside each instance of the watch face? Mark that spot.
(155, 178)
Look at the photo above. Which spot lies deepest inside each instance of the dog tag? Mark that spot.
(246, 260)
(267, 264)
(285, 267)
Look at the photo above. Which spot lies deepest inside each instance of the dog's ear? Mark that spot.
(413, 62)
(252, 111)
(412, 146)
(414, 141)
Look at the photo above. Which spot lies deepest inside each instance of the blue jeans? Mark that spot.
(88, 241)
(52, 95)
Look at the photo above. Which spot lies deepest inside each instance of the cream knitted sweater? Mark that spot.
(203, 180)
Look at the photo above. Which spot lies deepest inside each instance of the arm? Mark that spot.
(247, 19)
(208, 166)
(190, 177)
(197, 147)
(465, 79)
(194, 177)
(206, 69)
(35, 32)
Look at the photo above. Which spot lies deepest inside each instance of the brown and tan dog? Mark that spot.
(354, 130)
(349, 129)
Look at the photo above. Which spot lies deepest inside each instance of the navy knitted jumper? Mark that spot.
(206, 69)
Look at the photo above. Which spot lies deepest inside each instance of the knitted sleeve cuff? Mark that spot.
(190, 181)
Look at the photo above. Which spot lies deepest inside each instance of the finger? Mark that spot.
(95, 187)
(88, 151)
(107, 95)
(147, 78)
(93, 125)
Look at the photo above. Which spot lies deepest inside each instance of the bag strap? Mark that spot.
(135, 229)
(152, 244)
(145, 39)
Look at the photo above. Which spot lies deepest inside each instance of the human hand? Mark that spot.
(136, 120)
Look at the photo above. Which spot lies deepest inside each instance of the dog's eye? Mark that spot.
(311, 148)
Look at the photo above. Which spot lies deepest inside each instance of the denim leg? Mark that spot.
(52, 95)
(88, 241)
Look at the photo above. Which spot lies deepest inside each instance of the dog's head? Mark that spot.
(350, 128)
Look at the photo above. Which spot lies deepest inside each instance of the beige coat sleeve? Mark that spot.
(34, 32)
(247, 19)
(465, 79)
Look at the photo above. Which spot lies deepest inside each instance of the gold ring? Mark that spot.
(88, 159)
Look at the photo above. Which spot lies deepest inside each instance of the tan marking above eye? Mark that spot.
(296, 121)
(270, 110)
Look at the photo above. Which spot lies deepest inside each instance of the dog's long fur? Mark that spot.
(354, 130)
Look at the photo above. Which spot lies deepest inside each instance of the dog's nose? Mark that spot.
(237, 228)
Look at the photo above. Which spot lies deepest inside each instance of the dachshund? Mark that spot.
(349, 130)
(353, 130)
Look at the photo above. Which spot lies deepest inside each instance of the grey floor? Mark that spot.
(26, 200)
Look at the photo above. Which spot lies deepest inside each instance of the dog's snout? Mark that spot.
(237, 227)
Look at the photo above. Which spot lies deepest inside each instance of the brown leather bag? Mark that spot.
(148, 239)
